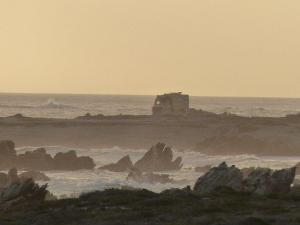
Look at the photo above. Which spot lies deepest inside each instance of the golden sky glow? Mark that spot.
(201, 47)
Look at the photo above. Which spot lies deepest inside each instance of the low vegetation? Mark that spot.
(171, 207)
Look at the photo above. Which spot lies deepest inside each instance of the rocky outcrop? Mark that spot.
(148, 177)
(70, 161)
(159, 158)
(39, 159)
(266, 181)
(124, 164)
(220, 176)
(22, 192)
(261, 181)
(35, 175)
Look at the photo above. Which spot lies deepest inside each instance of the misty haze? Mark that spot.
(166, 112)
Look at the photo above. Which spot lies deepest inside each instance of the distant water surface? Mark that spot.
(70, 106)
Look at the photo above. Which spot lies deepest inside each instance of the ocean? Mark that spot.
(71, 183)
(70, 106)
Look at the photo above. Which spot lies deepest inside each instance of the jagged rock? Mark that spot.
(8, 154)
(35, 175)
(246, 171)
(25, 191)
(3, 180)
(266, 181)
(220, 176)
(158, 158)
(124, 164)
(148, 177)
(259, 181)
(202, 169)
(70, 161)
(37, 159)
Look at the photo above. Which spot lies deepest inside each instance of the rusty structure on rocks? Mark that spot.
(171, 104)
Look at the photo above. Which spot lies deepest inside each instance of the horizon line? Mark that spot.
(110, 94)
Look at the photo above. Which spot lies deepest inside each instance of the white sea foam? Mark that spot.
(75, 182)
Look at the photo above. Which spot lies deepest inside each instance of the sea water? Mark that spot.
(69, 183)
(70, 106)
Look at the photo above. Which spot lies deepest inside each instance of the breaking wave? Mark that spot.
(50, 104)
(75, 182)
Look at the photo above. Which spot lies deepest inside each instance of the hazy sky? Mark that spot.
(201, 47)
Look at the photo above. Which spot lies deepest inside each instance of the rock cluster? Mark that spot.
(39, 159)
(259, 181)
(158, 158)
(18, 191)
(267, 181)
(220, 176)
(124, 164)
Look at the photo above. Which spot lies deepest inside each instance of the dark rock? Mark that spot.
(148, 177)
(261, 181)
(35, 175)
(37, 159)
(220, 176)
(266, 181)
(124, 164)
(70, 161)
(22, 192)
(158, 158)
(246, 171)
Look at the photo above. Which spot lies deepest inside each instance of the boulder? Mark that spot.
(22, 192)
(262, 181)
(148, 177)
(158, 158)
(37, 159)
(35, 175)
(70, 161)
(265, 181)
(220, 176)
(124, 164)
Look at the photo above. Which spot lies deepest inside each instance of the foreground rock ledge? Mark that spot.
(260, 181)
